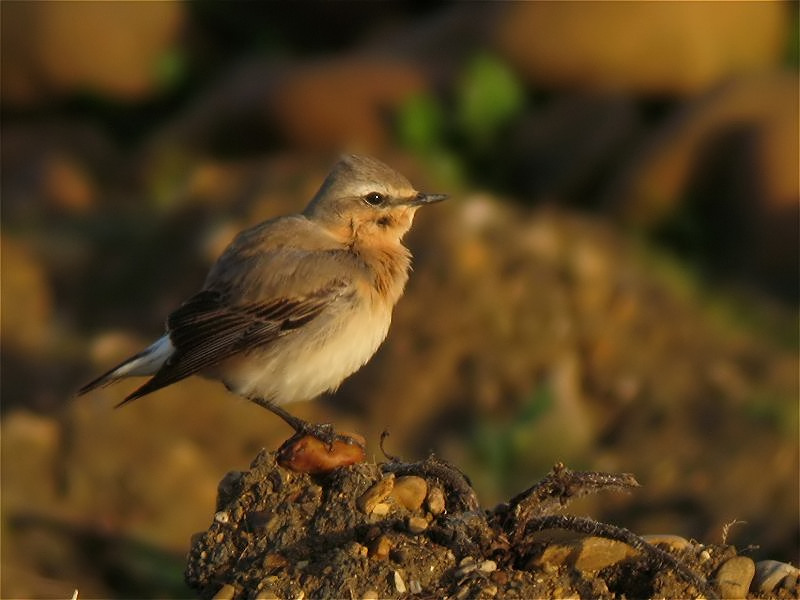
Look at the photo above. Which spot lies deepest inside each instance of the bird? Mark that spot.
(296, 304)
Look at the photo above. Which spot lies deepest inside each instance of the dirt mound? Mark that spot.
(415, 529)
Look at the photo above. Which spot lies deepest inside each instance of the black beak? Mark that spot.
(421, 199)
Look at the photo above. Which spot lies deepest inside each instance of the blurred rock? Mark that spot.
(27, 296)
(324, 105)
(104, 474)
(763, 105)
(54, 168)
(561, 150)
(343, 103)
(734, 155)
(110, 48)
(34, 441)
(113, 347)
(677, 48)
(67, 185)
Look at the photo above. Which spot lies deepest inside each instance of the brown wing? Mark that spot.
(205, 330)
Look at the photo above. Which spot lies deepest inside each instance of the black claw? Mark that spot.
(327, 434)
(322, 431)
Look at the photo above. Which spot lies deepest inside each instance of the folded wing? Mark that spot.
(206, 330)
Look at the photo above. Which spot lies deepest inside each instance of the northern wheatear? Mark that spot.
(298, 303)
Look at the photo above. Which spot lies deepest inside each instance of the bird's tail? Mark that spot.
(146, 362)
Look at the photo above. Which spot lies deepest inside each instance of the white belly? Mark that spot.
(305, 363)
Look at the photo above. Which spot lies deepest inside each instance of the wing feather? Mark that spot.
(207, 330)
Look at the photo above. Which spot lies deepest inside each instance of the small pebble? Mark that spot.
(226, 592)
(380, 510)
(704, 556)
(500, 578)
(399, 584)
(228, 487)
(487, 566)
(376, 494)
(467, 565)
(435, 500)
(548, 568)
(588, 554)
(262, 519)
(410, 491)
(221, 517)
(673, 542)
(417, 525)
(238, 513)
(399, 556)
(489, 590)
(267, 595)
(309, 454)
(356, 549)
(596, 553)
(219, 537)
(734, 577)
(770, 573)
(274, 561)
(370, 595)
(414, 586)
(381, 547)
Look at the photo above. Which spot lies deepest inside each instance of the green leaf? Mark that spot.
(489, 96)
(420, 124)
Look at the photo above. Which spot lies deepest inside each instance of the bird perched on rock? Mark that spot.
(296, 304)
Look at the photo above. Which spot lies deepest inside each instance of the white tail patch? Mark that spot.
(148, 361)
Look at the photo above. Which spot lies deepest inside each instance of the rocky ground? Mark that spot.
(416, 530)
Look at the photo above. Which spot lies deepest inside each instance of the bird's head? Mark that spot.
(363, 199)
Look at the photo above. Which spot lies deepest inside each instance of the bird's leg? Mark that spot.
(295, 423)
(322, 431)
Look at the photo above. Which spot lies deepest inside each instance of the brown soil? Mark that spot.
(279, 534)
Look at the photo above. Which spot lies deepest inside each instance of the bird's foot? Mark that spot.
(320, 449)
(314, 448)
(326, 433)
(321, 431)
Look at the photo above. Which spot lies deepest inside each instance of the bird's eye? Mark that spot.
(374, 198)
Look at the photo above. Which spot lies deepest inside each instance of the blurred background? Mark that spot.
(614, 282)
